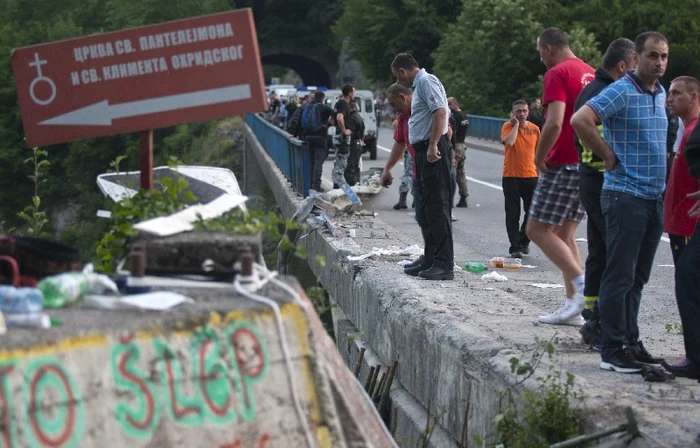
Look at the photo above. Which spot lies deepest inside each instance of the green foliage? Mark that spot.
(379, 29)
(545, 415)
(674, 327)
(168, 196)
(35, 219)
(71, 176)
(322, 304)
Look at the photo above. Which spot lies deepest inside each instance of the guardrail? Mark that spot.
(290, 155)
(487, 128)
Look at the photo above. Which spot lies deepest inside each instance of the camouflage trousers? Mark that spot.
(340, 165)
(407, 178)
(460, 157)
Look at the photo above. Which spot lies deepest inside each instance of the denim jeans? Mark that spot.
(633, 228)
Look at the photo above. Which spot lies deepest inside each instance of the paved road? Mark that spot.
(480, 234)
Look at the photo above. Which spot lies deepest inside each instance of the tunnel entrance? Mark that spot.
(311, 72)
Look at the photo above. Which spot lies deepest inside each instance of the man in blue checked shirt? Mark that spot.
(634, 152)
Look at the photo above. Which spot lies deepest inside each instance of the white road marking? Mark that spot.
(497, 187)
(485, 183)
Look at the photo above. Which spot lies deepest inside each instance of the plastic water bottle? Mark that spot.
(505, 263)
(477, 268)
(20, 300)
(63, 289)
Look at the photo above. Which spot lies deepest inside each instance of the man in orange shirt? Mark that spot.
(520, 138)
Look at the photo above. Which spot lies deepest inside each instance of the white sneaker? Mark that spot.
(574, 306)
(563, 316)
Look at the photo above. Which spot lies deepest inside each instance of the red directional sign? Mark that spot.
(143, 78)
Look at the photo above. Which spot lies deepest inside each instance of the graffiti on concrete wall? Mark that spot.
(211, 384)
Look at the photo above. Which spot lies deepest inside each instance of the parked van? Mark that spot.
(364, 100)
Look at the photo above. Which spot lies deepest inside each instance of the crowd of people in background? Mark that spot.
(600, 149)
(608, 143)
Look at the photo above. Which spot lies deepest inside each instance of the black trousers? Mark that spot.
(352, 172)
(590, 186)
(678, 245)
(435, 203)
(318, 151)
(516, 189)
(688, 295)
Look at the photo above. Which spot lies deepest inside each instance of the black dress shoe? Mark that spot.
(437, 273)
(415, 270)
(525, 249)
(642, 355)
(689, 370)
(413, 264)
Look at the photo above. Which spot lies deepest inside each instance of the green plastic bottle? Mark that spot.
(63, 289)
(477, 268)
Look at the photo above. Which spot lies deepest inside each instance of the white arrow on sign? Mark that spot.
(102, 113)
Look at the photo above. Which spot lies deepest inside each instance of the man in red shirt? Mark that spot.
(400, 98)
(683, 102)
(556, 210)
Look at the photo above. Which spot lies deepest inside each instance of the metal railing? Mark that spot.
(290, 155)
(487, 128)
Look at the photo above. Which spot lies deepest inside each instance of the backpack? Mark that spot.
(294, 126)
(311, 118)
(356, 124)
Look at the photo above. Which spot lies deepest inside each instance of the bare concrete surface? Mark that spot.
(453, 339)
(211, 373)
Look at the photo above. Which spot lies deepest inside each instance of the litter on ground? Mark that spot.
(494, 277)
(546, 285)
(413, 249)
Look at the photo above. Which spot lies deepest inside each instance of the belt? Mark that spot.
(422, 145)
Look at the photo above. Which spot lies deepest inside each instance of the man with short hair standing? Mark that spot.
(556, 211)
(684, 103)
(460, 125)
(316, 138)
(519, 137)
(634, 153)
(342, 112)
(427, 129)
(618, 59)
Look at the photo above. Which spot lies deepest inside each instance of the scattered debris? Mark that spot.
(528, 266)
(581, 240)
(545, 285)
(413, 249)
(494, 276)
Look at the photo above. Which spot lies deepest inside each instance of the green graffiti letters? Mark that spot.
(64, 428)
(214, 385)
(6, 407)
(140, 420)
(183, 410)
(247, 349)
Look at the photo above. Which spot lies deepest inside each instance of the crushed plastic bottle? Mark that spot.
(505, 263)
(477, 268)
(20, 300)
(64, 289)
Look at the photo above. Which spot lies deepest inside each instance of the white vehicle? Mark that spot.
(279, 89)
(364, 100)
